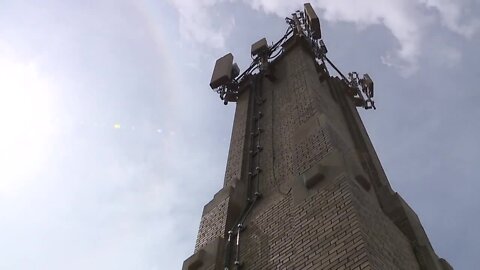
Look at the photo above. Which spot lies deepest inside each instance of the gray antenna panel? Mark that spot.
(259, 47)
(222, 72)
(313, 21)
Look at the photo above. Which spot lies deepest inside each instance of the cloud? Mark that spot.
(409, 21)
(451, 13)
(198, 22)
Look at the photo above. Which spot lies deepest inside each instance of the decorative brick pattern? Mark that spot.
(212, 224)
(311, 148)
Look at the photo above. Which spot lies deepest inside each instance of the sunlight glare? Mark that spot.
(26, 123)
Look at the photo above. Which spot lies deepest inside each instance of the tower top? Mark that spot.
(302, 25)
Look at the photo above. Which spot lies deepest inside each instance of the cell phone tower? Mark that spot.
(304, 188)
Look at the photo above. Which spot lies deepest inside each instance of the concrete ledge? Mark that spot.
(426, 258)
(220, 196)
(195, 261)
(445, 264)
(409, 224)
(210, 257)
(327, 170)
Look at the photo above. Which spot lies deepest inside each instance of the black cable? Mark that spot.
(336, 69)
(278, 43)
(359, 93)
(259, 101)
(255, 100)
(251, 157)
(328, 77)
(248, 210)
(249, 202)
(274, 56)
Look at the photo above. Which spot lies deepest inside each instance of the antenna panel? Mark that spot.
(313, 21)
(222, 72)
(259, 47)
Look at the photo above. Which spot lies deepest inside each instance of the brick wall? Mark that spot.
(338, 222)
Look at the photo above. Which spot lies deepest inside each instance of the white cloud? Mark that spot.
(400, 17)
(198, 22)
(452, 13)
(409, 21)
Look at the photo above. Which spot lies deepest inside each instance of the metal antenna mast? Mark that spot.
(304, 24)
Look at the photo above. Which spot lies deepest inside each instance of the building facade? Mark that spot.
(304, 188)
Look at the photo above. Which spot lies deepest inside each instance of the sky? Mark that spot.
(111, 141)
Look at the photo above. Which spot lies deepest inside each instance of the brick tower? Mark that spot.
(304, 188)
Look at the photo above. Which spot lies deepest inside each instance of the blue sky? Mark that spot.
(111, 140)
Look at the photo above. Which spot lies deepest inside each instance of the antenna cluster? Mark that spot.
(305, 24)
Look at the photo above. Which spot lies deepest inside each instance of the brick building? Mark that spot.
(303, 187)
